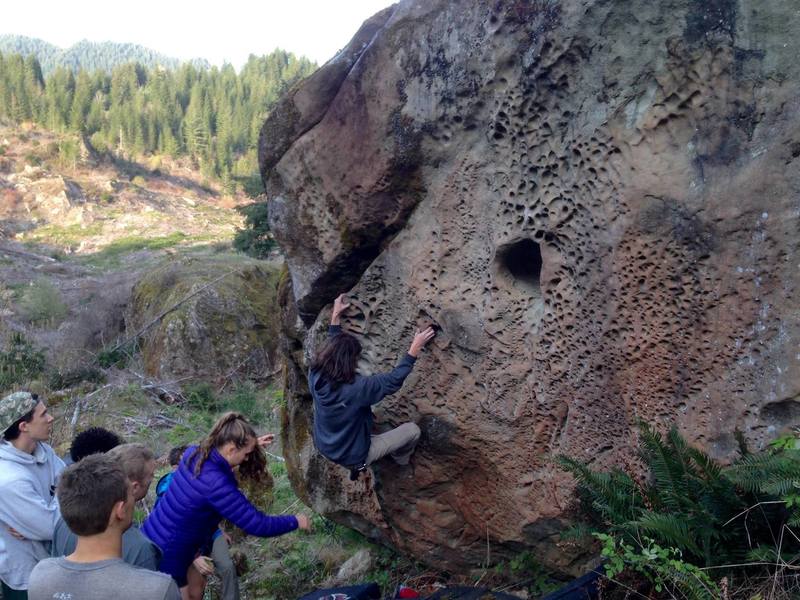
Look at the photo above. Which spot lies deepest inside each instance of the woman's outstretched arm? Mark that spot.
(234, 506)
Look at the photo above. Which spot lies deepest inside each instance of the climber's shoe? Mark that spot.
(356, 471)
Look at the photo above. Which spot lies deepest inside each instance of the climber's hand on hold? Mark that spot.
(420, 339)
(339, 306)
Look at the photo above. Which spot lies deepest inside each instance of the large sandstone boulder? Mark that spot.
(598, 201)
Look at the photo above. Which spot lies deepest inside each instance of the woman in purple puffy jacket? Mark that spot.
(203, 491)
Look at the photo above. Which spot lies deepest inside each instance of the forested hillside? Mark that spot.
(211, 115)
(88, 55)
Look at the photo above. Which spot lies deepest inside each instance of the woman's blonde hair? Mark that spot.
(231, 427)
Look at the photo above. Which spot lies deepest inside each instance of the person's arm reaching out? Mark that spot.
(339, 306)
(234, 506)
(420, 339)
(379, 386)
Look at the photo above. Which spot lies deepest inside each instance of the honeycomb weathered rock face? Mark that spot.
(597, 201)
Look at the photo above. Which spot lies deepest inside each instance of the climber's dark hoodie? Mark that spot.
(343, 413)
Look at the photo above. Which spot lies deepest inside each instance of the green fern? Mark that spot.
(673, 530)
(614, 496)
(693, 504)
(769, 473)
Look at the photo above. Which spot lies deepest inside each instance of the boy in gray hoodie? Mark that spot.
(29, 471)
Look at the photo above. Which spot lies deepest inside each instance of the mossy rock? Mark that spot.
(216, 318)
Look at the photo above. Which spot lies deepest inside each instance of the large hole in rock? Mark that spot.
(522, 262)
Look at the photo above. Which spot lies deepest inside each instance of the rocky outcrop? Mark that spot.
(212, 320)
(48, 198)
(598, 203)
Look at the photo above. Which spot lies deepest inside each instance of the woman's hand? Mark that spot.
(204, 566)
(266, 439)
(303, 522)
(420, 339)
(339, 306)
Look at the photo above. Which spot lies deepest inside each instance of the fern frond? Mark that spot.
(669, 530)
(576, 532)
(794, 520)
(613, 494)
(767, 473)
(706, 466)
(666, 467)
(692, 587)
(769, 554)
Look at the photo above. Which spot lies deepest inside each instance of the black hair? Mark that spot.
(13, 431)
(95, 440)
(175, 455)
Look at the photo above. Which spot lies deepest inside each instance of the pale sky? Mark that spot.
(223, 30)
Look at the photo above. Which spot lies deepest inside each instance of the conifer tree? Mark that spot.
(213, 115)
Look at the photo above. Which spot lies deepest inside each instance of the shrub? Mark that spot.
(664, 567)
(41, 304)
(201, 396)
(117, 356)
(59, 380)
(245, 399)
(33, 159)
(52, 150)
(68, 153)
(19, 361)
(99, 143)
(256, 239)
(139, 181)
(693, 510)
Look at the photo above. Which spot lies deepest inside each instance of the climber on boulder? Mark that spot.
(343, 400)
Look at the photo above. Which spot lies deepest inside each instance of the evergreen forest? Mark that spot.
(211, 115)
(89, 55)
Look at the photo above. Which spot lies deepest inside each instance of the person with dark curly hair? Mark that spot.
(95, 440)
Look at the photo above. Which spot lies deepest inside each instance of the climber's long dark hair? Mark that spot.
(338, 359)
